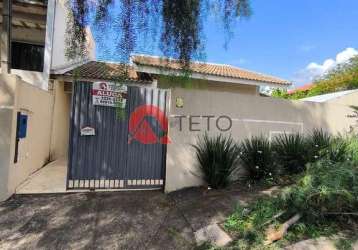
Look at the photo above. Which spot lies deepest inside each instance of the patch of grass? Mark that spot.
(304, 230)
(205, 246)
(347, 241)
(248, 225)
(250, 218)
(344, 244)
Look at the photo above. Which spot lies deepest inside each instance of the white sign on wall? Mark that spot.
(109, 94)
(86, 131)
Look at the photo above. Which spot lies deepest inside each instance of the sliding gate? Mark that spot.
(103, 150)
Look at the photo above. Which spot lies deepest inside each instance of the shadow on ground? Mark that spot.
(113, 220)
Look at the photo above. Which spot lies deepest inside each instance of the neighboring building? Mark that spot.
(303, 88)
(36, 39)
(32, 43)
(23, 44)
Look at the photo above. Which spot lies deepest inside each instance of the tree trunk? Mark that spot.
(273, 234)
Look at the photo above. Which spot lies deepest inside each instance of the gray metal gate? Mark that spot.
(107, 160)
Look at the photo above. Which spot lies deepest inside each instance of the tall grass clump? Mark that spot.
(338, 150)
(291, 152)
(353, 148)
(318, 141)
(217, 158)
(256, 157)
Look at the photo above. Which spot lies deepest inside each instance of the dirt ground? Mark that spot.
(113, 220)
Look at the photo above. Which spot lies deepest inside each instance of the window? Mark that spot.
(27, 56)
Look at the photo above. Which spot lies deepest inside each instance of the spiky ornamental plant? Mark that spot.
(291, 152)
(338, 150)
(256, 156)
(217, 158)
(317, 142)
(128, 23)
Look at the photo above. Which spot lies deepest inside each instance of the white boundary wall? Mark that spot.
(251, 115)
(34, 150)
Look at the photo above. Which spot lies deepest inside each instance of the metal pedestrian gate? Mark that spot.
(103, 152)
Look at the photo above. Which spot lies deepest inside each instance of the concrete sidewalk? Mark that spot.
(49, 179)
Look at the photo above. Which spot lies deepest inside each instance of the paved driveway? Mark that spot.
(111, 220)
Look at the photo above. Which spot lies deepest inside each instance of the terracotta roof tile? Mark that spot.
(114, 71)
(305, 87)
(207, 68)
(103, 71)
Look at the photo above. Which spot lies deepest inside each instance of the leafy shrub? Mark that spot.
(318, 141)
(327, 188)
(256, 156)
(217, 158)
(291, 152)
(326, 197)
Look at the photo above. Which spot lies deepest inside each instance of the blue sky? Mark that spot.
(291, 39)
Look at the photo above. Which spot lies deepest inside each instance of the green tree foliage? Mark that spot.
(281, 93)
(179, 21)
(343, 77)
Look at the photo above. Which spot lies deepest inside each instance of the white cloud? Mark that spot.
(314, 70)
(345, 55)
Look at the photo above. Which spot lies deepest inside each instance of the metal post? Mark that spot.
(6, 37)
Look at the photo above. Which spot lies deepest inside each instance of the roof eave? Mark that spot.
(62, 69)
(162, 71)
(70, 78)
